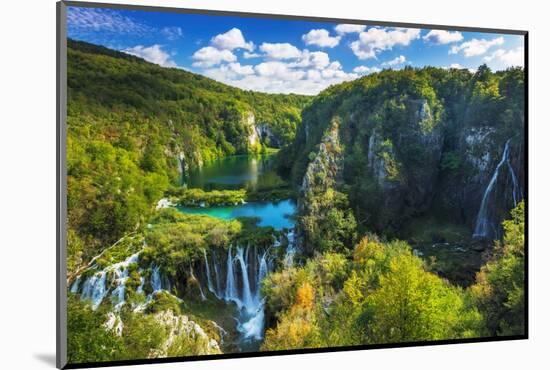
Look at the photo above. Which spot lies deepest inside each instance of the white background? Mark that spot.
(27, 170)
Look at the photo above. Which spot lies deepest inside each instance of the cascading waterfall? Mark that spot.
(484, 227)
(95, 287)
(208, 275)
(244, 272)
(217, 274)
(230, 287)
(290, 250)
(156, 281)
(246, 295)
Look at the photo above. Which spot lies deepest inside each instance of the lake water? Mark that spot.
(233, 172)
(275, 214)
(242, 171)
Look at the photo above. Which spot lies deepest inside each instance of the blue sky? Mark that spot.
(284, 56)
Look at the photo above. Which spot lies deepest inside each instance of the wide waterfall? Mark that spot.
(485, 226)
(113, 279)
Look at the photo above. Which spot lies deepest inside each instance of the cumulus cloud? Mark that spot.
(280, 51)
(476, 47)
(364, 70)
(248, 55)
(507, 58)
(315, 59)
(309, 73)
(321, 38)
(342, 29)
(441, 37)
(153, 54)
(395, 61)
(209, 56)
(376, 40)
(231, 40)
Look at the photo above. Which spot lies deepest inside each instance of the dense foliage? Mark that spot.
(134, 126)
(383, 294)
(415, 142)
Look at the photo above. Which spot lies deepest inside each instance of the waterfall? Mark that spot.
(484, 225)
(95, 287)
(217, 274)
(208, 276)
(76, 284)
(288, 260)
(247, 295)
(230, 288)
(261, 275)
(156, 282)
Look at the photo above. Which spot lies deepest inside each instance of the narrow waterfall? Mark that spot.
(261, 275)
(484, 226)
(247, 295)
(156, 282)
(76, 284)
(217, 274)
(230, 287)
(290, 250)
(208, 275)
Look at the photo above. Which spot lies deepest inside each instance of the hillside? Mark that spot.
(135, 127)
(428, 155)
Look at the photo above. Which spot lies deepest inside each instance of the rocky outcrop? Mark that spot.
(325, 169)
(183, 333)
(267, 137)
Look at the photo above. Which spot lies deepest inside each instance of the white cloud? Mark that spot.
(476, 47)
(443, 37)
(232, 39)
(209, 56)
(321, 38)
(342, 29)
(375, 40)
(279, 70)
(507, 58)
(248, 55)
(395, 61)
(280, 51)
(315, 59)
(456, 66)
(308, 74)
(230, 71)
(153, 54)
(172, 33)
(364, 70)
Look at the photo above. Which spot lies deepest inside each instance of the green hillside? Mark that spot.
(134, 126)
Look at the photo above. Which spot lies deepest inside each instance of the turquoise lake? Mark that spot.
(236, 172)
(275, 214)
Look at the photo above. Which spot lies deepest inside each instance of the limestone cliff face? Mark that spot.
(267, 137)
(253, 138)
(325, 169)
(324, 173)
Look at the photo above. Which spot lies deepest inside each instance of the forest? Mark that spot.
(387, 209)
